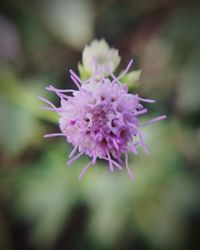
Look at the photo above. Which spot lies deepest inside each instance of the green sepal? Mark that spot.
(84, 74)
(131, 79)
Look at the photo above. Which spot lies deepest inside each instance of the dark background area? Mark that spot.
(42, 203)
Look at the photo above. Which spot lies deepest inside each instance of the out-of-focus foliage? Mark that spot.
(71, 21)
(42, 203)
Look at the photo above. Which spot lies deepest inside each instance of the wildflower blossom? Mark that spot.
(100, 119)
(104, 55)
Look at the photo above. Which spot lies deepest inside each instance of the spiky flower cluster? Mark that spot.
(100, 119)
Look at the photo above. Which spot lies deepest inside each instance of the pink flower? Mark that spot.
(100, 119)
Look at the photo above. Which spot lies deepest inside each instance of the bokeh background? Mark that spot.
(42, 203)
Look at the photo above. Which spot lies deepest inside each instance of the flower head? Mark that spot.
(103, 54)
(100, 119)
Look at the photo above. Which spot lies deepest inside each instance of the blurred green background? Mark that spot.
(42, 203)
